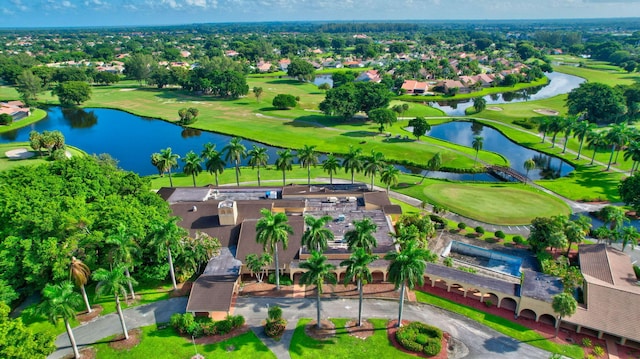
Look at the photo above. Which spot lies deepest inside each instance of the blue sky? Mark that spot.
(65, 13)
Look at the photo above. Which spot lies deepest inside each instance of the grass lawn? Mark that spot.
(604, 74)
(505, 204)
(502, 325)
(36, 115)
(587, 183)
(167, 344)
(8, 93)
(344, 345)
(6, 163)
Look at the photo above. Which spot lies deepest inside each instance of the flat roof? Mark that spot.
(211, 294)
(479, 281)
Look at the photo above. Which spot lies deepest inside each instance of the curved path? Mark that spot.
(480, 341)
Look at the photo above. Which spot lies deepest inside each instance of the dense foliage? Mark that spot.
(630, 191)
(187, 324)
(420, 338)
(18, 342)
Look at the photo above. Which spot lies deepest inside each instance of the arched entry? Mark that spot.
(491, 299)
(508, 303)
(528, 314)
(457, 289)
(547, 319)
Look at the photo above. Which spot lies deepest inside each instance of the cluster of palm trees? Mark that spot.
(614, 229)
(406, 268)
(234, 152)
(618, 136)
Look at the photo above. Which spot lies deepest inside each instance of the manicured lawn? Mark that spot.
(506, 204)
(36, 115)
(344, 345)
(601, 74)
(6, 163)
(167, 344)
(502, 325)
(587, 183)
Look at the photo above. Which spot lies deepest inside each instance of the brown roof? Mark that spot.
(247, 243)
(594, 262)
(211, 294)
(380, 199)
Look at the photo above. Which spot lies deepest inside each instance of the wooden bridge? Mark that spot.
(506, 173)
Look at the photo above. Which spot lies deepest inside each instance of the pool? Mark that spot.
(486, 258)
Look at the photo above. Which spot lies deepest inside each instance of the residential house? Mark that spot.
(369, 76)
(413, 87)
(16, 109)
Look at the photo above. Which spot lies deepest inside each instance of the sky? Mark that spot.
(74, 13)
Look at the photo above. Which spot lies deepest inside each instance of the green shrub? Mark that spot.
(479, 230)
(586, 342)
(236, 321)
(462, 225)
(526, 123)
(467, 269)
(438, 221)
(274, 313)
(210, 329)
(5, 119)
(598, 351)
(636, 269)
(224, 326)
(500, 234)
(275, 328)
(432, 348)
(448, 261)
(488, 303)
(184, 323)
(419, 337)
(284, 280)
(518, 239)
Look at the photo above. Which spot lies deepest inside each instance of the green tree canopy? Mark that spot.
(598, 102)
(301, 69)
(72, 92)
(284, 101)
(629, 190)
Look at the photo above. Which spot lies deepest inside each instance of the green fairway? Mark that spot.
(6, 163)
(601, 74)
(505, 204)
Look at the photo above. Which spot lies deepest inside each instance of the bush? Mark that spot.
(636, 270)
(488, 303)
(526, 123)
(284, 280)
(224, 326)
(500, 234)
(274, 313)
(479, 230)
(448, 262)
(598, 351)
(518, 239)
(586, 342)
(5, 119)
(284, 101)
(462, 225)
(236, 321)
(439, 222)
(275, 328)
(432, 348)
(419, 337)
(184, 323)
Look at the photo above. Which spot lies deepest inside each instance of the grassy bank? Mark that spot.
(6, 163)
(36, 115)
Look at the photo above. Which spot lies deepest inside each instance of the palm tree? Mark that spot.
(407, 269)
(581, 132)
(284, 162)
(629, 235)
(156, 161)
(477, 143)
(569, 124)
(235, 151)
(258, 157)
(113, 283)
(479, 104)
(272, 229)
(617, 136)
(529, 165)
(331, 166)
(318, 272)
(80, 274)
(543, 126)
(390, 176)
(308, 157)
(614, 216)
(168, 160)
(633, 152)
(361, 236)
(596, 139)
(317, 235)
(123, 250)
(358, 269)
(565, 305)
(165, 236)
(213, 161)
(352, 161)
(574, 233)
(373, 164)
(556, 124)
(192, 165)
(60, 301)
(256, 264)
(433, 164)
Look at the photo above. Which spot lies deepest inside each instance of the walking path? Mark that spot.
(477, 340)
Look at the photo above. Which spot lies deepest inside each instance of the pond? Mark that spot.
(462, 133)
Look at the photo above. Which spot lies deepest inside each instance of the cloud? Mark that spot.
(18, 5)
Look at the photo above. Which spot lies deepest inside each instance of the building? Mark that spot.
(16, 109)
(412, 87)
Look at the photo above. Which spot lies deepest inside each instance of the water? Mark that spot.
(462, 133)
(321, 79)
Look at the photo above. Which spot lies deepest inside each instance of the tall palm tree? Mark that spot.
(433, 164)
(308, 157)
(156, 161)
(60, 301)
(574, 233)
(169, 160)
(166, 236)
(529, 165)
(318, 272)
(358, 269)
(113, 283)
(353, 162)
(192, 165)
(271, 230)
(390, 176)
(617, 136)
(479, 104)
(633, 152)
(284, 163)
(213, 161)
(629, 235)
(406, 269)
(361, 236)
(596, 139)
(331, 166)
(569, 124)
(235, 151)
(317, 235)
(80, 274)
(556, 124)
(123, 251)
(258, 157)
(565, 305)
(614, 216)
(581, 132)
(373, 164)
(477, 143)
(543, 126)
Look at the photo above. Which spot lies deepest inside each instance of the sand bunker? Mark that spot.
(493, 108)
(546, 112)
(19, 154)
(127, 89)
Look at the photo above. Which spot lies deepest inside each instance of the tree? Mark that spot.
(614, 216)
(406, 269)
(284, 163)
(325, 86)
(529, 165)
(574, 233)
(596, 139)
(213, 161)
(284, 101)
(479, 104)
(80, 274)
(192, 165)
(112, 282)
(60, 301)
(569, 124)
(318, 272)
(316, 235)
(433, 164)
(19, 342)
(168, 160)
(5, 119)
(547, 232)
(358, 269)
(564, 304)
(301, 69)
(597, 101)
(361, 236)
(420, 127)
(123, 250)
(257, 92)
(543, 126)
(235, 151)
(390, 176)
(477, 143)
(257, 264)
(633, 152)
(331, 165)
(28, 86)
(138, 67)
(629, 235)
(617, 137)
(156, 161)
(341, 101)
(373, 164)
(72, 92)
(383, 117)
(307, 156)
(167, 236)
(258, 157)
(556, 125)
(353, 162)
(581, 132)
(271, 230)
(629, 189)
